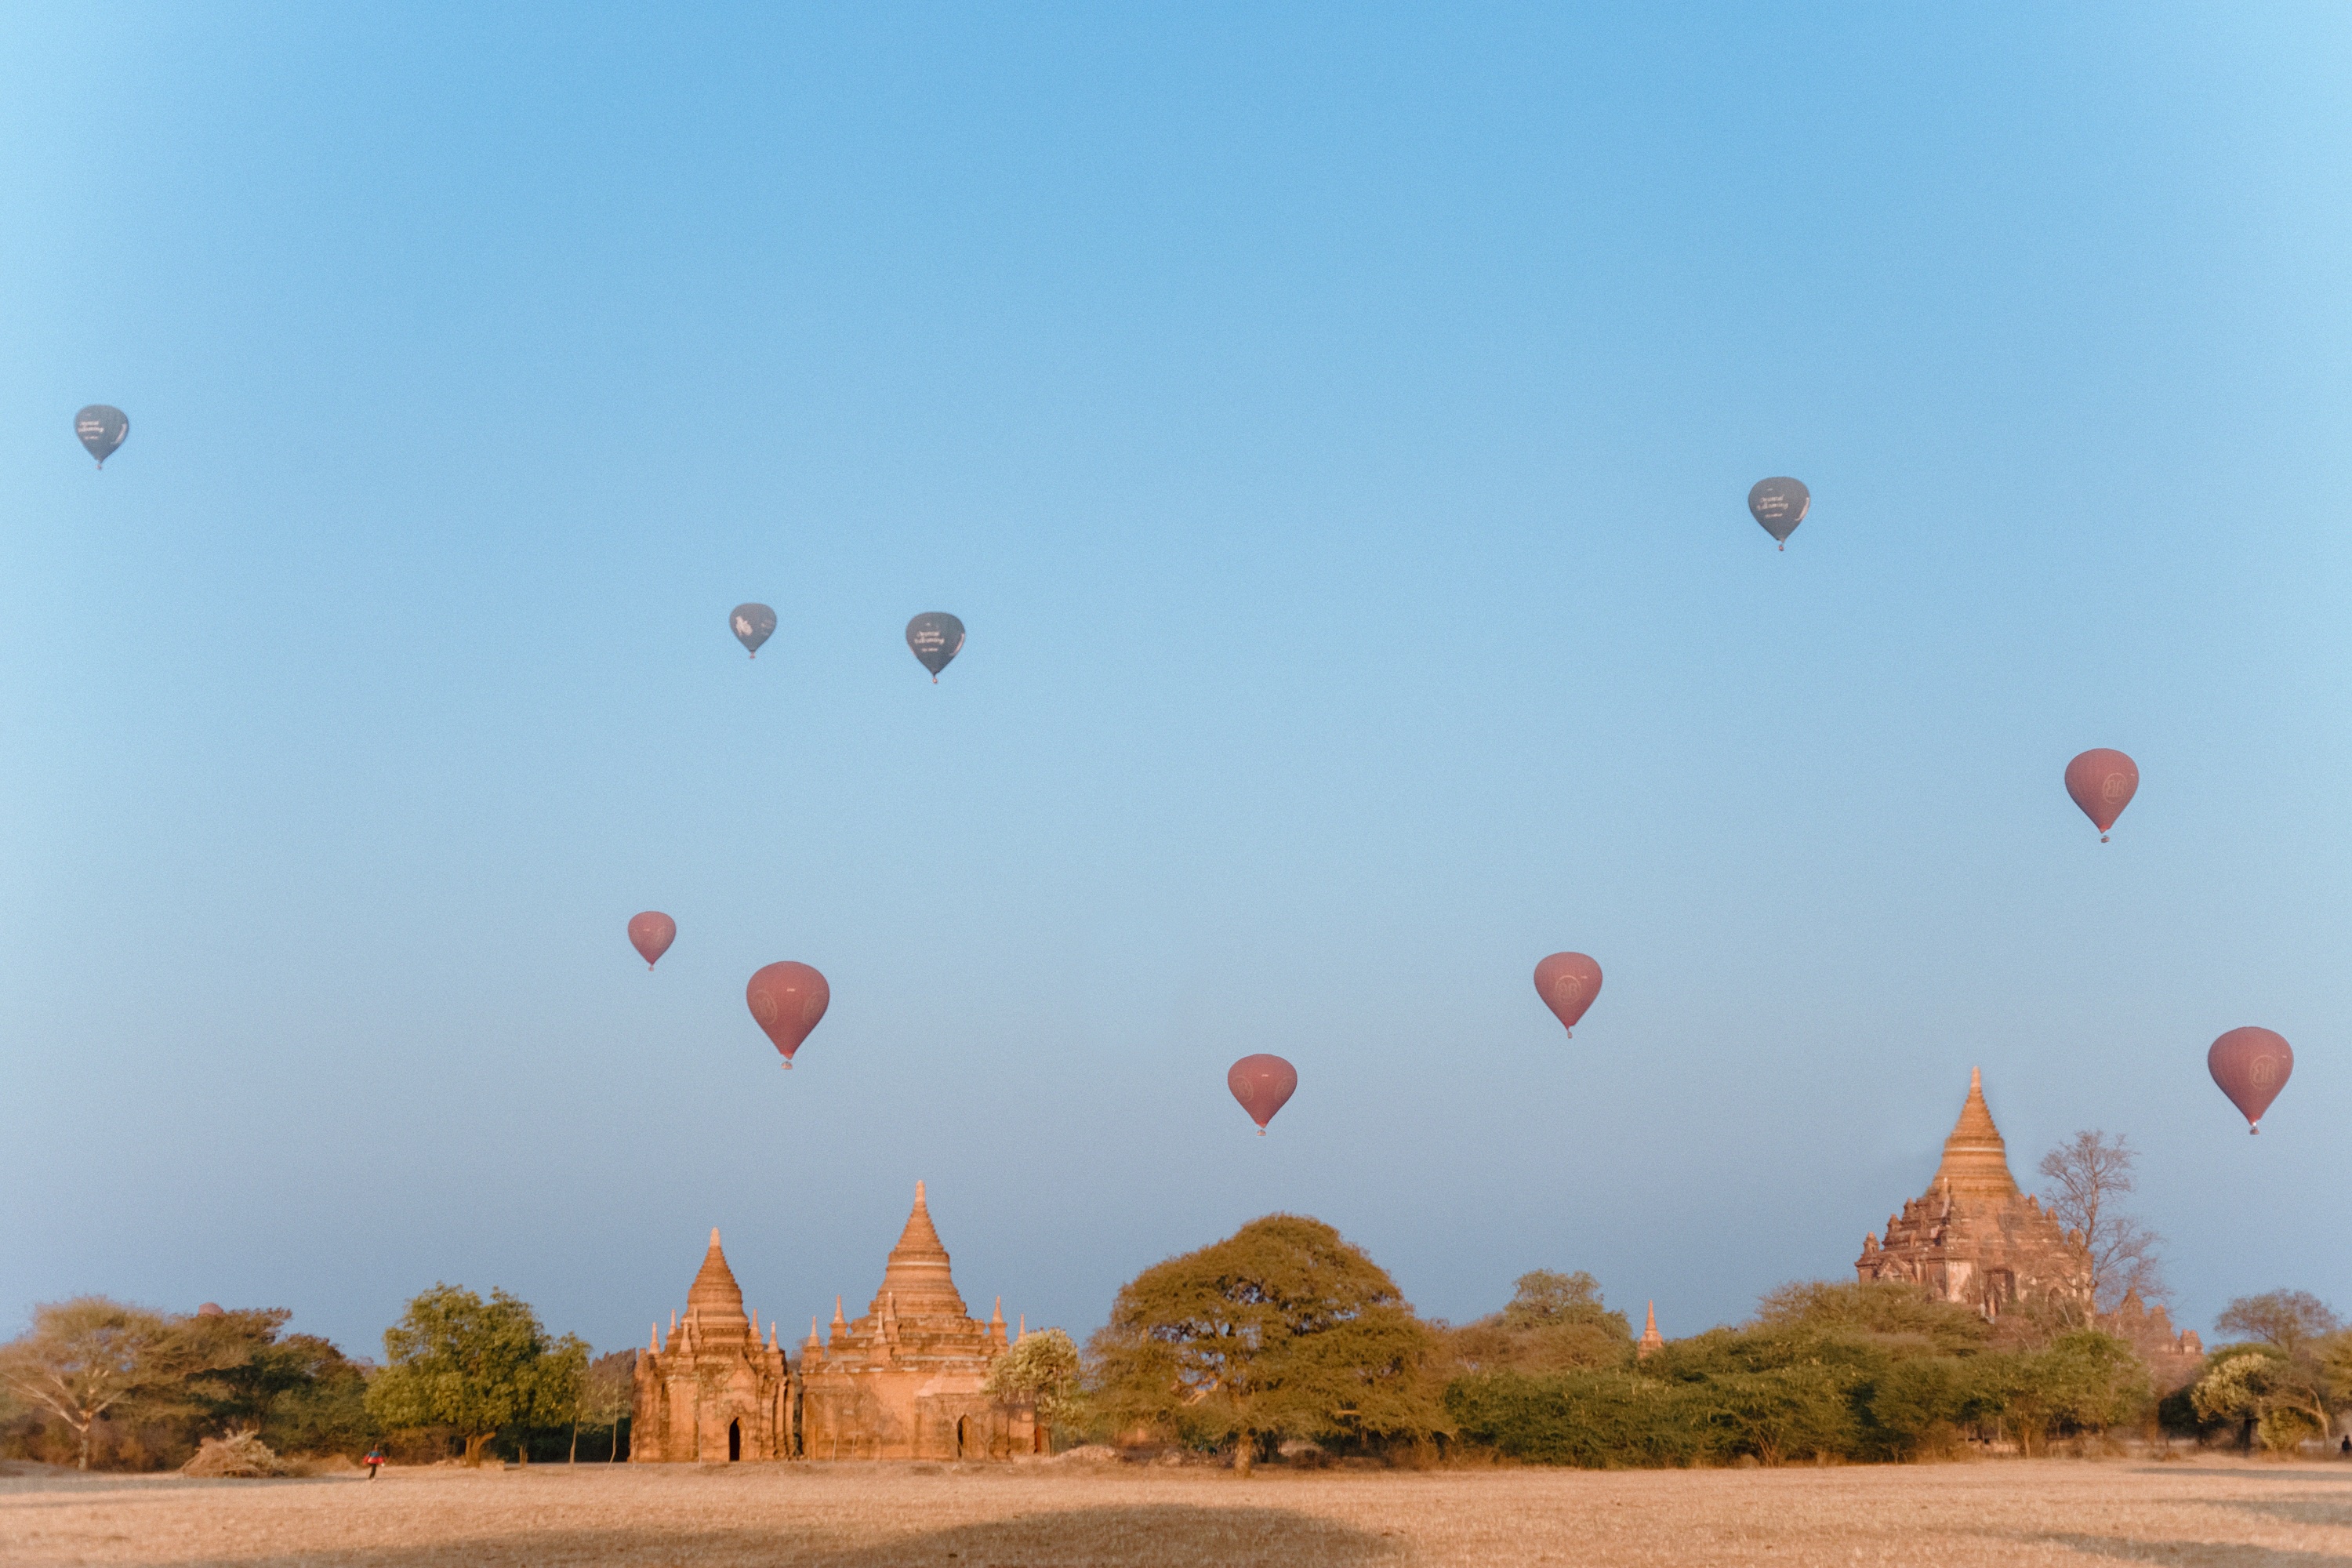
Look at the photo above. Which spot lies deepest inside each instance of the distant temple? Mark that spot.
(714, 1393)
(1974, 1237)
(904, 1381)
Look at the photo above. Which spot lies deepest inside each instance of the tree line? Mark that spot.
(1281, 1340)
(95, 1381)
(1283, 1337)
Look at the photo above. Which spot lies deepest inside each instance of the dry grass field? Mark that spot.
(2011, 1514)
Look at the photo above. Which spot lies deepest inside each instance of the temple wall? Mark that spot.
(684, 1403)
(910, 1415)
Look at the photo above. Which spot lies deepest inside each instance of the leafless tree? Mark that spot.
(2090, 1176)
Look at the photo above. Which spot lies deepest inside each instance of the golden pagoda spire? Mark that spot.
(1976, 1159)
(1651, 1340)
(714, 1302)
(917, 1282)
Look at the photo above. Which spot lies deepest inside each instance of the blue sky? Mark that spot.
(1333, 426)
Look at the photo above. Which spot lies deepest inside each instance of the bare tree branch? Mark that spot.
(2092, 1174)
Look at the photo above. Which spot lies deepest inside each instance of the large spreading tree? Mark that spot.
(89, 1358)
(1281, 1330)
(454, 1359)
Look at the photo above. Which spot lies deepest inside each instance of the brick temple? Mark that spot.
(906, 1381)
(1974, 1237)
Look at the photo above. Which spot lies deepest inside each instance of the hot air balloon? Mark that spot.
(101, 429)
(936, 636)
(651, 933)
(1568, 982)
(1263, 1085)
(2252, 1065)
(752, 625)
(787, 999)
(2101, 783)
(1780, 505)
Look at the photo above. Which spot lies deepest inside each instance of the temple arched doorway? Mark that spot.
(734, 1441)
(964, 1434)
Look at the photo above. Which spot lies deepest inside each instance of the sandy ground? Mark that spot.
(2009, 1513)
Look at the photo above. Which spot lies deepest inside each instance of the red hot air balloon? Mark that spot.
(1263, 1085)
(651, 933)
(2101, 783)
(1568, 982)
(787, 999)
(2250, 1066)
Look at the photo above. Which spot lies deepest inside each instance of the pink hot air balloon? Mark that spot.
(787, 999)
(1263, 1085)
(651, 933)
(1568, 982)
(2251, 1065)
(2101, 783)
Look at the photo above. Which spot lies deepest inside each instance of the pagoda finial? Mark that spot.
(1651, 1341)
(813, 1342)
(919, 1192)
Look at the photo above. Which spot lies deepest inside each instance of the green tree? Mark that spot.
(2087, 1382)
(1895, 1313)
(1804, 1411)
(2288, 1320)
(612, 1392)
(454, 1359)
(1045, 1370)
(2283, 1379)
(1282, 1329)
(323, 1410)
(1553, 1322)
(89, 1357)
(559, 1390)
(1597, 1418)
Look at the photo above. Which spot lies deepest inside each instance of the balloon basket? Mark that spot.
(788, 1066)
(1261, 1132)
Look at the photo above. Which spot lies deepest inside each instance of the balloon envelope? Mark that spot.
(752, 625)
(2251, 1065)
(1568, 982)
(101, 429)
(651, 933)
(1779, 504)
(936, 636)
(2101, 783)
(786, 1000)
(1263, 1085)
